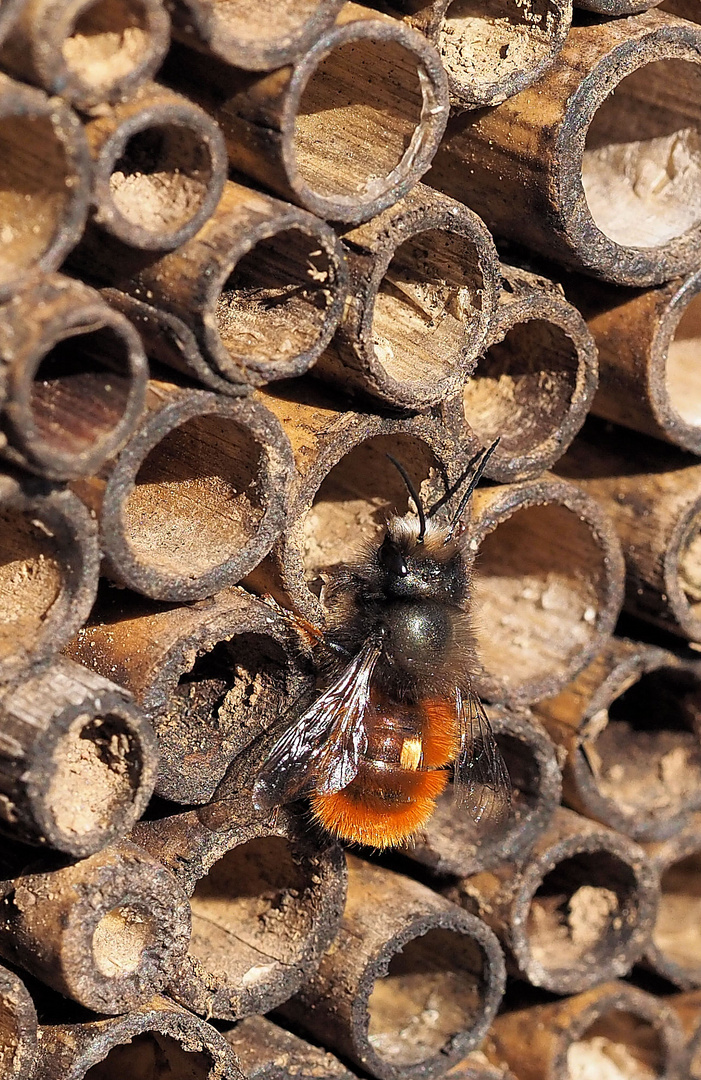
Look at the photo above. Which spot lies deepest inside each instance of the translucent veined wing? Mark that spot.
(481, 778)
(325, 744)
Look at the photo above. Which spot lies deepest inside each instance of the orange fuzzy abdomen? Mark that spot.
(400, 776)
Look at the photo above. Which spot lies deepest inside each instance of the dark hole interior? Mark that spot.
(618, 1046)
(154, 1056)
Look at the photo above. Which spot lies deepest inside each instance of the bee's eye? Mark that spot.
(392, 559)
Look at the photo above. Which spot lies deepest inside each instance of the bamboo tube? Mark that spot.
(44, 183)
(268, 1052)
(451, 843)
(266, 900)
(18, 1028)
(159, 168)
(410, 985)
(10, 11)
(108, 931)
(210, 676)
(196, 497)
(685, 9)
(78, 760)
(534, 385)
(629, 725)
(547, 587)
(256, 294)
(687, 1006)
(675, 947)
(614, 1030)
(618, 8)
(345, 131)
(87, 52)
(603, 182)
(477, 1066)
(49, 563)
(158, 1039)
(76, 378)
(579, 912)
(651, 493)
(423, 290)
(259, 38)
(490, 52)
(648, 344)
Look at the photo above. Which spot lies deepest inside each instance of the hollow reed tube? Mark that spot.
(18, 1028)
(266, 900)
(687, 1006)
(613, 1026)
(674, 950)
(533, 386)
(210, 676)
(107, 931)
(423, 290)
(345, 131)
(400, 947)
(87, 52)
(584, 175)
(78, 759)
(451, 842)
(196, 497)
(580, 911)
(49, 564)
(76, 378)
(267, 1052)
(44, 183)
(157, 1038)
(630, 726)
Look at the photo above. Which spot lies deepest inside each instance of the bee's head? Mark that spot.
(419, 565)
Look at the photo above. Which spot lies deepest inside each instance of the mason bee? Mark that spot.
(396, 710)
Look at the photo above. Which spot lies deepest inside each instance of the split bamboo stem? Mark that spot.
(78, 760)
(534, 385)
(266, 900)
(609, 183)
(49, 564)
(451, 843)
(210, 676)
(197, 496)
(630, 726)
(675, 947)
(76, 376)
(85, 51)
(44, 183)
(268, 1052)
(400, 945)
(345, 131)
(579, 912)
(18, 1028)
(108, 931)
(423, 291)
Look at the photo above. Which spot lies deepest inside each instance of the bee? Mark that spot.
(396, 711)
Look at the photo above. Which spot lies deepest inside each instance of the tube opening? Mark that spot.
(196, 498)
(95, 776)
(273, 305)
(522, 389)
(81, 390)
(9, 1033)
(677, 932)
(484, 42)
(689, 566)
(156, 1056)
(647, 758)
(432, 992)
(682, 368)
(641, 169)
(31, 578)
(582, 913)
(253, 911)
(355, 123)
(35, 191)
(427, 303)
(618, 1046)
(162, 178)
(108, 41)
(357, 496)
(120, 939)
(538, 587)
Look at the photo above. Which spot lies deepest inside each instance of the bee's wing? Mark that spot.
(481, 778)
(325, 744)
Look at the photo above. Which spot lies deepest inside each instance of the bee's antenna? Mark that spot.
(483, 457)
(412, 491)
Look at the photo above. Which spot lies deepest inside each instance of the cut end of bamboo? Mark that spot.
(675, 946)
(18, 1027)
(680, 389)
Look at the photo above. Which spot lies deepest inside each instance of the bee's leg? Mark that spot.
(314, 635)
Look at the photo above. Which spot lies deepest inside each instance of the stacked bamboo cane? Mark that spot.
(247, 252)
